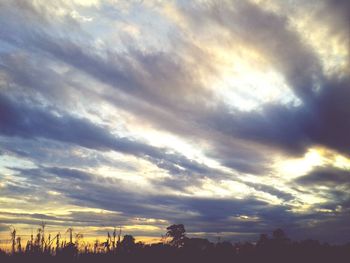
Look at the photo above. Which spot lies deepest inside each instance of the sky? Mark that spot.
(230, 117)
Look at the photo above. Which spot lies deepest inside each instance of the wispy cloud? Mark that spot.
(203, 113)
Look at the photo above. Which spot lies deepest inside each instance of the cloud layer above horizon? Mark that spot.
(231, 117)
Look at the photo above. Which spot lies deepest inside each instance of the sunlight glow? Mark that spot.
(306, 203)
(247, 81)
(342, 162)
(246, 218)
(292, 168)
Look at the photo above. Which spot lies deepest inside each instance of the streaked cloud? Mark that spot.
(228, 116)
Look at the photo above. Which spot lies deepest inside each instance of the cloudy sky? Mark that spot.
(231, 117)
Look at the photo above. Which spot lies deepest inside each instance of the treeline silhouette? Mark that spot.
(174, 246)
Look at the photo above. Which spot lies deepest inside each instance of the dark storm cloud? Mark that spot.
(92, 191)
(196, 212)
(271, 190)
(292, 128)
(335, 183)
(275, 125)
(69, 173)
(337, 13)
(245, 166)
(13, 189)
(73, 218)
(82, 220)
(33, 77)
(211, 215)
(95, 191)
(323, 121)
(104, 189)
(331, 112)
(33, 122)
(41, 151)
(326, 176)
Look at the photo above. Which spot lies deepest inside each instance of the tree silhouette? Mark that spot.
(279, 237)
(128, 243)
(177, 233)
(279, 234)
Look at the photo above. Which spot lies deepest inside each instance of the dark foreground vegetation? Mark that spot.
(174, 247)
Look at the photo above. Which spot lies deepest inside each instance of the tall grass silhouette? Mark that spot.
(175, 246)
